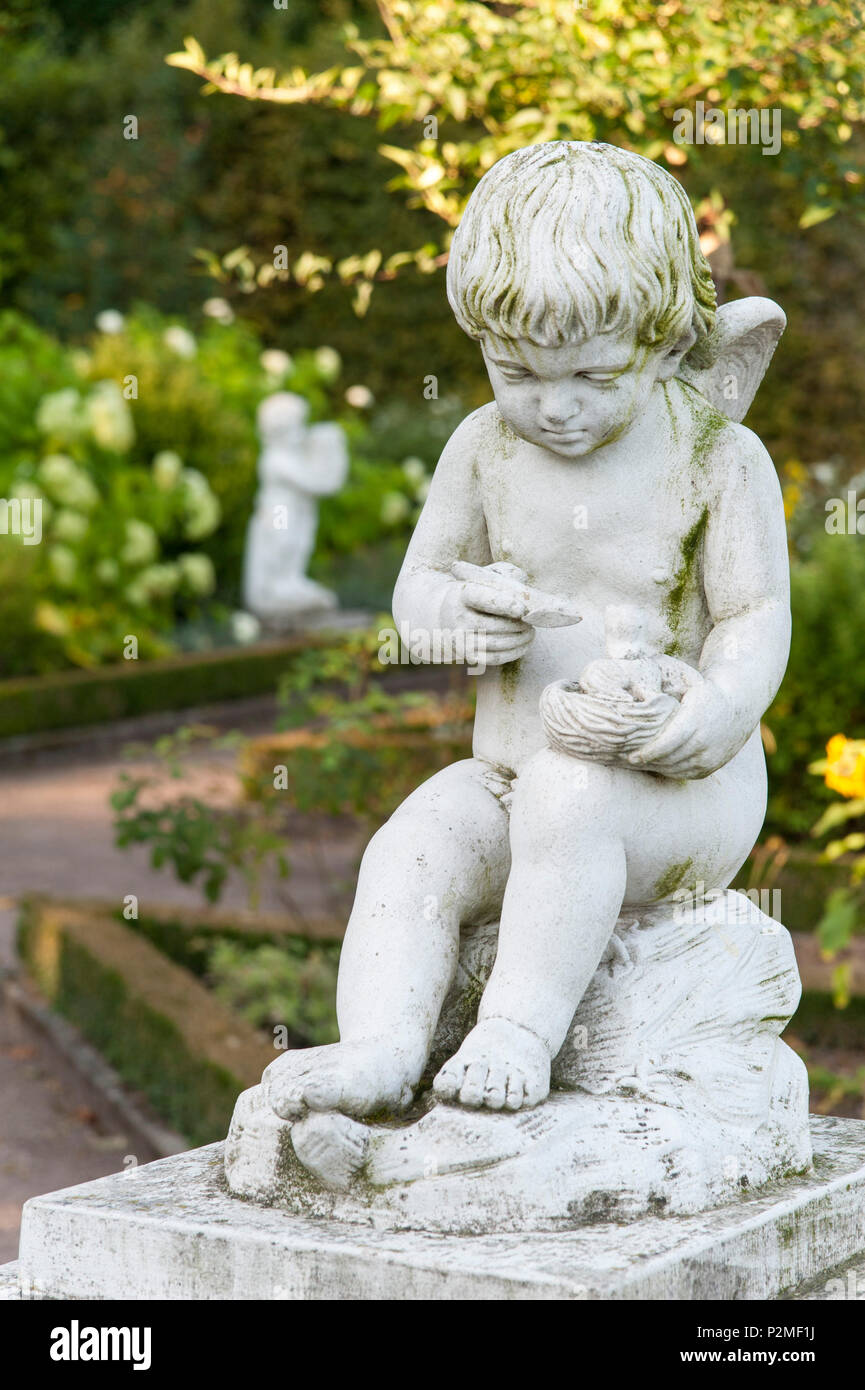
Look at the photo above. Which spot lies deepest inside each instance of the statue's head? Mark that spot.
(282, 417)
(578, 268)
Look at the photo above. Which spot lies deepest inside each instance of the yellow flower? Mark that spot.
(846, 765)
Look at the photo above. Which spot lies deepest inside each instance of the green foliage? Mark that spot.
(144, 460)
(838, 924)
(292, 985)
(32, 363)
(823, 692)
(68, 699)
(117, 537)
(200, 842)
(352, 748)
(498, 78)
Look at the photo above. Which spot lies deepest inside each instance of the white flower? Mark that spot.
(167, 468)
(328, 363)
(203, 518)
(360, 397)
(180, 341)
(107, 572)
(201, 505)
(197, 572)
(26, 489)
(219, 309)
(66, 483)
(824, 473)
(276, 362)
(70, 525)
(158, 581)
(60, 415)
(415, 470)
(141, 544)
(136, 594)
(63, 564)
(394, 508)
(109, 417)
(245, 627)
(110, 321)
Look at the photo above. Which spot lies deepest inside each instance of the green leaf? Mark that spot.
(836, 926)
(816, 214)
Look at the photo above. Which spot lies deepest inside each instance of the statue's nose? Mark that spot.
(558, 408)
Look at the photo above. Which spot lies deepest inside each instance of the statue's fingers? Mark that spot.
(504, 639)
(502, 602)
(499, 658)
(671, 739)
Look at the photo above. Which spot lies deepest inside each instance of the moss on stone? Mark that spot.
(683, 581)
(671, 878)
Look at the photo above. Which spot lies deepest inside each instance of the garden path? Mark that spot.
(56, 838)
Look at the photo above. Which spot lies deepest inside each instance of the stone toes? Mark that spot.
(515, 1092)
(536, 1090)
(322, 1093)
(474, 1084)
(449, 1079)
(496, 1087)
(289, 1107)
(333, 1147)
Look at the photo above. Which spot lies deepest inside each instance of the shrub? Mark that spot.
(823, 691)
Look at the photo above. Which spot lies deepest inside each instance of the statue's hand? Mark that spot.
(699, 738)
(491, 613)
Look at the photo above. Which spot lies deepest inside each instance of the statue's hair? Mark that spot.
(561, 241)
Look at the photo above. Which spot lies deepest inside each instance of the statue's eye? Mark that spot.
(601, 377)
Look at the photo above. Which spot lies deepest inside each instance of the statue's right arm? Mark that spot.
(451, 527)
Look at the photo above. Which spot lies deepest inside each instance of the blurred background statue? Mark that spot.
(299, 463)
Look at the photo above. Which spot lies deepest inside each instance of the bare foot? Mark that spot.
(355, 1077)
(500, 1065)
(331, 1146)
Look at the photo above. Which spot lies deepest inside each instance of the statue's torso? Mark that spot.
(622, 527)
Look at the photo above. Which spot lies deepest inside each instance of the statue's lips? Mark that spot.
(566, 436)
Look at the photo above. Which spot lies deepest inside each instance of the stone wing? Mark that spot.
(745, 336)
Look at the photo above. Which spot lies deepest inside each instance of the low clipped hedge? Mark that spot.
(163, 1031)
(68, 699)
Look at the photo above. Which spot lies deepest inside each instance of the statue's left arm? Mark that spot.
(746, 584)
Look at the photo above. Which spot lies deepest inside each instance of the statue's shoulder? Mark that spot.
(721, 449)
(738, 452)
(477, 433)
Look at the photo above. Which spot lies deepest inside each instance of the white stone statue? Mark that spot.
(552, 1009)
(299, 463)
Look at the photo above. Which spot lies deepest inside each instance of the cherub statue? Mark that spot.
(617, 754)
(299, 463)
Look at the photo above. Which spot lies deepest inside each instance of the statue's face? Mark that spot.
(575, 398)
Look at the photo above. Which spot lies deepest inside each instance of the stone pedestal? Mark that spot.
(170, 1230)
(673, 1093)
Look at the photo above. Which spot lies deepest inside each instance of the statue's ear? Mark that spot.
(740, 349)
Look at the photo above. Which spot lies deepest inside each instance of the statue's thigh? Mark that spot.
(451, 835)
(683, 834)
(675, 834)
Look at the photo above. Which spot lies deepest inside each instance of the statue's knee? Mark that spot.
(402, 840)
(557, 791)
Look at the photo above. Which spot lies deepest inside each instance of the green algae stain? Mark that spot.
(671, 413)
(709, 424)
(671, 878)
(508, 680)
(683, 581)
